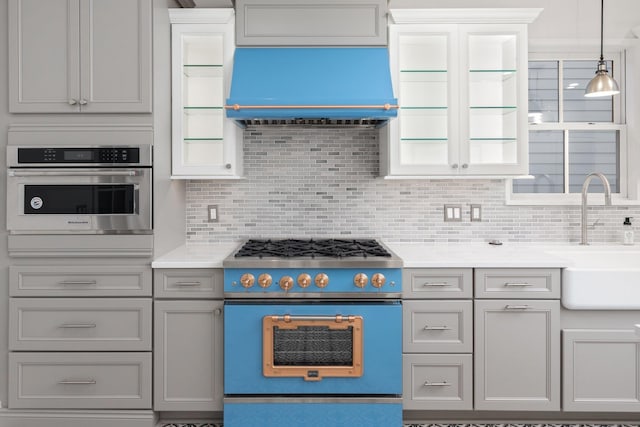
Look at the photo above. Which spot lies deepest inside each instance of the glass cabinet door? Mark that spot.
(494, 102)
(426, 84)
(203, 139)
(202, 100)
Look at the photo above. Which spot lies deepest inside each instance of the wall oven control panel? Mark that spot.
(97, 155)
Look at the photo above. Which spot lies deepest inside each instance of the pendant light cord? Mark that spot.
(601, 30)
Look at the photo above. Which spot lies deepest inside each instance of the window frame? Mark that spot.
(627, 191)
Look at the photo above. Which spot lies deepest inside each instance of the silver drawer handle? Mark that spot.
(78, 325)
(188, 284)
(77, 382)
(436, 328)
(435, 284)
(442, 384)
(77, 282)
(93, 173)
(516, 307)
(518, 284)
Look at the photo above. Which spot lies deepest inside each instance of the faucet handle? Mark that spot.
(594, 224)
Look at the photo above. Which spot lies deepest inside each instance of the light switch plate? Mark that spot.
(212, 213)
(453, 213)
(476, 213)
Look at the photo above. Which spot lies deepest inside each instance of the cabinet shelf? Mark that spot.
(418, 140)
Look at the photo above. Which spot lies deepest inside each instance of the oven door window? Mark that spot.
(312, 347)
(95, 199)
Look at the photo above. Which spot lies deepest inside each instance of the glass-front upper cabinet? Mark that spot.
(205, 144)
(462, 94)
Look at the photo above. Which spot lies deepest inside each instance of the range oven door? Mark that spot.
(302, 348)
(79, 200)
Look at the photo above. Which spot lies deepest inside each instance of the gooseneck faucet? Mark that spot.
(607, 201)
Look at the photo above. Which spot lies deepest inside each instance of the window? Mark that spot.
(570, 136)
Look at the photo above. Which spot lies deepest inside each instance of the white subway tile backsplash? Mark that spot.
(321, 182)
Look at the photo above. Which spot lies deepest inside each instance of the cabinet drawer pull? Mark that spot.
(440, 384)
(516, 307)
(78, 282)
(188, 284)
(78, 382)
(435, 284)
(77, 325)
(518, 284)
(436, 328)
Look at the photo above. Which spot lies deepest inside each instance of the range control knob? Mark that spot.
(247, 280)
(322, 280)
(265, 280)
(304, 280)
(378, 280)
(286, 283)
(360, 280)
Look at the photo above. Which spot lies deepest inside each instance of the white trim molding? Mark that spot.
(201, 15)
(465, 16)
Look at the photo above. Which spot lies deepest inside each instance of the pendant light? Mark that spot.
(602, 84)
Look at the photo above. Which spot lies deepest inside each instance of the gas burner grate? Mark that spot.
(333, 248)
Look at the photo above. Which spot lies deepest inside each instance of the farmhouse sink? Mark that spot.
(600, 277)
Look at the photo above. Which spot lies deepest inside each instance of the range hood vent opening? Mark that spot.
(311, 86)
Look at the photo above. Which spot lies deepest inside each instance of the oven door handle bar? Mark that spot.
(337, 318)
(73, 173)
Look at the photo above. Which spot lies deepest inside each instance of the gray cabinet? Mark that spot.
(71, 56)
(188, 339)
(517, 355)
(188, 356)
(540, 283)
(437, 338)
(601, 370)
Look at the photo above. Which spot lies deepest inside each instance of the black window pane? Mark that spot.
(543, 91)
(594, 151)
(546, 164)
(577, 108)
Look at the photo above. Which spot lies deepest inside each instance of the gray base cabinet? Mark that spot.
(188, 339)
(601, 370)
(517, 355)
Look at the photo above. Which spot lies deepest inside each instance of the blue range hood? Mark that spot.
(311, 85)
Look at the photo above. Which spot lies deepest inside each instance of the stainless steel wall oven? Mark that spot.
(312, 334)
(79, 189)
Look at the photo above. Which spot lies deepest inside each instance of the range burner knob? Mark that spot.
(322, 280)
(247, 280)
(360, 280)
(265, 280)
(304, 280)
(378, 280)
(286, 283)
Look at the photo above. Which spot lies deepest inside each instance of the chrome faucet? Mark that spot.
(607, 201)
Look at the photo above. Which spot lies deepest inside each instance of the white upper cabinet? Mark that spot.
(71, 56)
(203, 139)
(461, 80)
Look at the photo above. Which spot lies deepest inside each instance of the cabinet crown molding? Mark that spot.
(464, 16)
(201, 15)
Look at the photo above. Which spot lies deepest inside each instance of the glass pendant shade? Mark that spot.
(602, 84)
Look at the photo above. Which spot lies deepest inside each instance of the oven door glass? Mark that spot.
(312, 347)
(93, 199)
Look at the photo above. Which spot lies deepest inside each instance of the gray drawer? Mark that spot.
(188, 283)
(537, 283)
(80, 380)
(437, 381)
(447, 283)
(80, 324)
(437, 326)
(81, 281)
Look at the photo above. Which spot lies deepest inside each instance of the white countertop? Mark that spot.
(414, 255)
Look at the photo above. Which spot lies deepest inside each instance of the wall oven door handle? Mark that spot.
(337, 318)
(23, 173)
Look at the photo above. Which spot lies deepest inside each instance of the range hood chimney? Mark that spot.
(324, 63)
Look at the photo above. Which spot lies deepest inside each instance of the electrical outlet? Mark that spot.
(476, 213)
(212, 213)
(453, 213)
